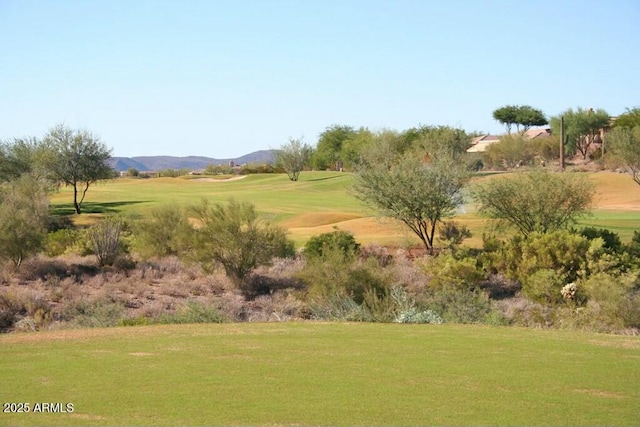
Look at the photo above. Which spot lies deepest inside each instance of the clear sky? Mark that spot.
(225, 78)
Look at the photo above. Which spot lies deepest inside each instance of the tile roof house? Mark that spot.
(481, 143)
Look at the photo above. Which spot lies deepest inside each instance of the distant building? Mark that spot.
(480, 143)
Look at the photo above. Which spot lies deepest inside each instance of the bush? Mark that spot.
(511, 151)
(333, 274)
(452, 234)
(445, 270)
(104, 238)
(560, 251)
(164, 232)
(192, 312)
(317, 246)
(611, 240)
(23, 218)
(100, 313)
(544, 286)
(460, 306)
(234, 237)
(60, 241)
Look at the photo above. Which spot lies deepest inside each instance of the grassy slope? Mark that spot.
(323, 374)
(321, 200)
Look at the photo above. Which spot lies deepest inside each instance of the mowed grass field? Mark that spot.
(322, 374)
(321, 200)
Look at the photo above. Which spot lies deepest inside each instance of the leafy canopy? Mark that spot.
(536, 201)
(417, 194)
(624, 148)
(293, 157)
(76, 158)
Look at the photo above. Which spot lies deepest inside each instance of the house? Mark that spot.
(480, 143)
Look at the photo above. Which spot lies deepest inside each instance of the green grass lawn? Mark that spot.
(322, 374)
(314, 204)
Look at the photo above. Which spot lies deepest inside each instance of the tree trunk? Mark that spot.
(75, 199)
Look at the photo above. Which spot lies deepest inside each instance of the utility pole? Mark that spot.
(561, 143)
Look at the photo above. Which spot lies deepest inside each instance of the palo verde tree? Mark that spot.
(24, 208)
(629, 119)
(417, 194)
(507, 116)
(581, 128)
(234, 236)
(528, 116)
(519, 115)
(293, 157)
(624, 149)
(76, 158)
(535, 201)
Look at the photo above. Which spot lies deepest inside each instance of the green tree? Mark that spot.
(535, 201)
(76, 158)
(417, 194)
(437, 141)
(329, 147)
(20, 156)
(624, 148)
(293, 157)
(507, 116)
(24, 207)
(630, 119)
(233, 236)
(582, 128)
(519, 115)
(528, 116)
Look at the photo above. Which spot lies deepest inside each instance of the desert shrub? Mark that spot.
(459, 306)
(407, 311)
(235, 237)
(105, 240)
(334, 274)
(23, 218)
(60, 241)
(560, 251)
(509, 152)
(547, 149)
(316, 246)
(101, 313)
(446, 270)
(544, 286)
(377, 252)
(617, 297)
(24, 311)
(256, 285)
(338, 307)
(452, 234)
(611, 240)
(192, 312)
(633, 247)
(165, 231)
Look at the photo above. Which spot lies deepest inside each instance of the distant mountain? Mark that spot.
(154, 163)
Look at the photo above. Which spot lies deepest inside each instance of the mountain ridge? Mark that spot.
(154, 163)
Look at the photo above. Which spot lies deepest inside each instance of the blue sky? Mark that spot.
(225, 78)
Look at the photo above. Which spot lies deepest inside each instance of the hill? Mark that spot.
(152, 163)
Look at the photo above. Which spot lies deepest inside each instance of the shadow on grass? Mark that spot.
(324, 178)
(93, 208)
